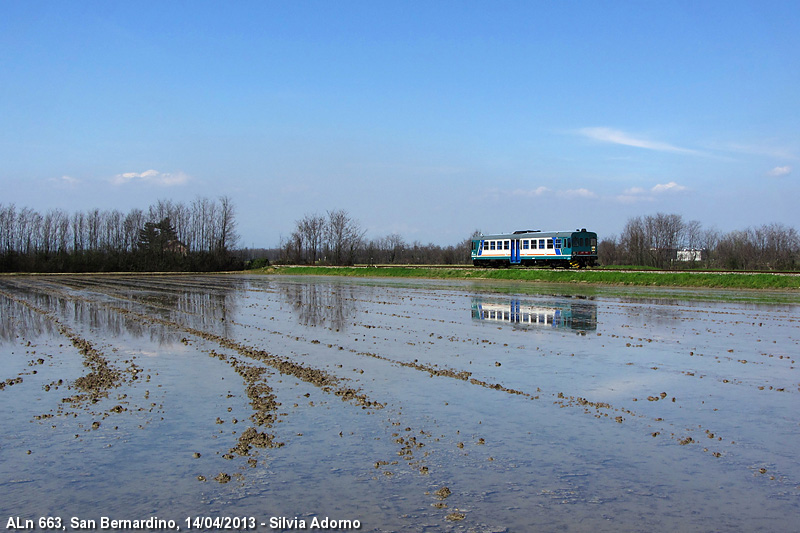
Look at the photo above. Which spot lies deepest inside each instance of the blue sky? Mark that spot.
(426, 119)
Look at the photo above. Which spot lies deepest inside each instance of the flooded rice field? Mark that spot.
(394, 406)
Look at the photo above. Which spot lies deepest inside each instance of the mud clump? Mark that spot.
(443, 492)
(253, 438)
(103, 376)
(9, 382)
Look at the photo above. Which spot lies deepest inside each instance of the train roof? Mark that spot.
(533, 234)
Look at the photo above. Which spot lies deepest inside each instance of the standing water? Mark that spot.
(277, 403)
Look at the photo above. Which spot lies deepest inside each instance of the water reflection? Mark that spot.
(18, 321)
(525, 314)
(197, 307)
(330, 305)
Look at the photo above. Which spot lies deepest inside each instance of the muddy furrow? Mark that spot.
(103, 375)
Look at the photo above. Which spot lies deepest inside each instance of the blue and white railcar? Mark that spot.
(576, 249)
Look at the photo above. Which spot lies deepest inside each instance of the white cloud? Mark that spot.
(781, 171)
(163, 179)
(620, 137)
(668, 187)
(538, 191)
(640, 194)
(581, 193)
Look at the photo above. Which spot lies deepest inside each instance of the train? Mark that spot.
(556, 249)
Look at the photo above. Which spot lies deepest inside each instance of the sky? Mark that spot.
(426, 119)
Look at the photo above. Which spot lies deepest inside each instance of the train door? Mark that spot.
(515, 255)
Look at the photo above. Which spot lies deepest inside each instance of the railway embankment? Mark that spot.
(789, 281)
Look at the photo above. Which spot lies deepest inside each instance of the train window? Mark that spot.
(594, 242)
(507, 245)
(541, 244)
(549, 244)
(491, 245)
(557, 243)
(525, 244)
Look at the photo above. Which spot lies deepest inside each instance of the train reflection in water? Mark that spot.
(568, 314)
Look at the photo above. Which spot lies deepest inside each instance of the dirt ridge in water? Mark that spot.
(103, 376)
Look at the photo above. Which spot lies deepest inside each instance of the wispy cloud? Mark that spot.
(765, 148)
(154, 177)
(613, 136)
(668, 188)
(65, 182)
(542, 191)
(538, 191)
(640, 194)
(578, 193)
(780, 171)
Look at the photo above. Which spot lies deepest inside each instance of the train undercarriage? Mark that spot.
(575, 262)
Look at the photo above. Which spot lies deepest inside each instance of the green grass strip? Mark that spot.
(652, 279)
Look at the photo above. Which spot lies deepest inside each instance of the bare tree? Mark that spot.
(61, 224)
(292, 249)
(227, 236)
(608, 252)
(634, 241)
(134, 221)
(344, 238)
(664, 235)
(7, 224)
(394, 247)
(312, 231)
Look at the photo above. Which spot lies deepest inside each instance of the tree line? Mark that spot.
(657, 241)
(202, 236)
(168, 236)
(660, 241)
(337, 239)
